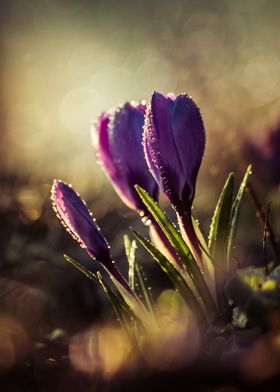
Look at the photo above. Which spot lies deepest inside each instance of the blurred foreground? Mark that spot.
(56, 330)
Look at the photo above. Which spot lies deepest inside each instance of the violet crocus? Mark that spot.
(75, 216)
(174, 142)
(117, 138)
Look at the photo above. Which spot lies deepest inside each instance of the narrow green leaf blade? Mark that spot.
(120, 306)
(218, 239)
(199, 235)
(143, 289)
(136, 274)
(130, 250)
(219, 230)
(236, 211)
(174, 276)
(180, 247)
(81, 268)
(135, 304)
(122, 311)
(168, 228)
(209, 274)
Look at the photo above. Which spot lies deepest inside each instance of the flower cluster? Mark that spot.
(156, 146)
(160, 144)
(145, 149)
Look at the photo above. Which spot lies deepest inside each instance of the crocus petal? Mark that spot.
(120, 152)
(73, 213)
(186, 116)
(159, 146)
(75, 216)
(100, 141)
(174, 141)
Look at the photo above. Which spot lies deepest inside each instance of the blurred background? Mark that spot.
(65, 61)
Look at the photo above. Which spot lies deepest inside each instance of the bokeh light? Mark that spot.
(63, 63)
(101, 351)
(175, 339)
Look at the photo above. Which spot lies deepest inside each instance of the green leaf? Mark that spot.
(136, 274)
(236, 211)
(172, 273)
(81, 268)
(135, 304)
(145, 292)
(219, 230)
(218, 239)
(130, 250)
(123, 312)
(200, 236)
(207, 261)
(180, 247)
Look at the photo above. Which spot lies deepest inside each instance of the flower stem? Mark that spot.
(188, 233)
(160, 240)
(198, 270)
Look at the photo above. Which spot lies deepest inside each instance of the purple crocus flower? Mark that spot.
(174, 141)
(117, 138)
(75, 216)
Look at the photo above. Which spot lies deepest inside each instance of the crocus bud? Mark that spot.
(75, 216)
(174, 141)
(117, 139)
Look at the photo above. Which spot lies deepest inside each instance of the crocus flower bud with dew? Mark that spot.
(117, 138)
(75, 216)
(174, 142)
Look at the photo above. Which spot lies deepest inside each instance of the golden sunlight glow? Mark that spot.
(102, 351)
(63, 63)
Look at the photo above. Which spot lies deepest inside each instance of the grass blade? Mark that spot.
(135, 304)
(218, 239)
(207, 262)
(180, 247)
(219, 230)
(130, 249)
(236, 211)
(122, 311)
(143, 289)
(136, 274)
(172, 273)
(81, 268)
